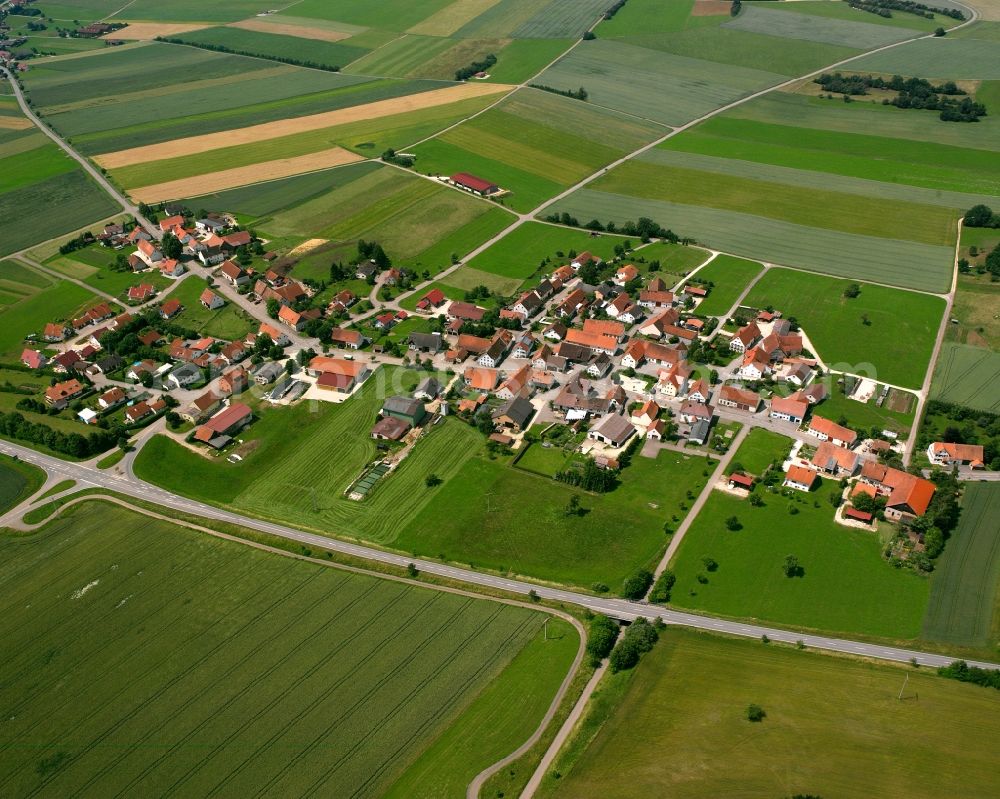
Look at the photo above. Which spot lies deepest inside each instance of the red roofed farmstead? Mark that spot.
(471, 183)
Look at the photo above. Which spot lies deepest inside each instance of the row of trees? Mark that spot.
(590, 478)
(475, 67)
(281, 59)
(960, 670)
(578, 94)
(14, 425)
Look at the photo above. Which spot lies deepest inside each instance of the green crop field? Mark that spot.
(511, 520)
(228, 322)
(187, 10)
(805, 206)
(653, 85)
(964, 590)
(274, 45)
(834, 727)
(33, 305)
(730, 277)
(18, 481)
(240, 670)
(836, 11)
(411, 56)
(904, 263)
(534, 144)
(420, 224)
(395, 15)
(847, 588)
(967, 375)
(524, 58)
(760, 449)
(534, 248)
(957, 59)
(861, 34)
(897, 343)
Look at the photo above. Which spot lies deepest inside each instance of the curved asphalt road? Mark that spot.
(617, 608)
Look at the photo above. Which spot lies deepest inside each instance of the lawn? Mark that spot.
(847, 588)
(760, 449)
(967, 375)
(228, 322)
(894, 348)
(18, 481)
(508, 519)
(730, 277)
(862, 416)
(834, 727)
(964, 590)
(240, 670)
(535, 249)
(911, 264)
(34, 306)
(675, 259)
(93, 265)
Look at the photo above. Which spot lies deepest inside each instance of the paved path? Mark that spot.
(95, 173)
(699, 503)
(564, 732)
(618, 608)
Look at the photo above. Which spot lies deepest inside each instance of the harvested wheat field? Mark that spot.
(288, 127)
(710, 8)
(244, 175)
(146, 31)
(452, 17)
(307, 246)
(14, 123)
(302, 31)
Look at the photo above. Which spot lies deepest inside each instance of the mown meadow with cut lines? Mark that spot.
(242, 671)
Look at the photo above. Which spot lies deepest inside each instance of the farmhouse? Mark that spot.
(944, 454)
(909, 496)
(109, 399)
(471, 183)
(800, 477)
(825, 430)
(201, 407)
(515, 414)
(217, 431)
(741, 399)
(54, 332)
(432, 299)
(481, 378)
(625, 274)
(592, 341)
(516, 384)
(466, 312)
(233, 273)
(427, 389)
(139, 411)
(789, 409)
(746, 337)
(613, 430)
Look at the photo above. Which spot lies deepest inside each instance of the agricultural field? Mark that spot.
(957, 59)
(834, 727)
(964, 601)
(229, 322)
(18, 481)
(651, 84)
(275, 661)
(977, 309)
(967, 375)
(894, 346)
(534, 144)
(729, 277)
(846, 588)
(30, 299)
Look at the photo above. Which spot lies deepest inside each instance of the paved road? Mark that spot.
(617, 608)
(95, 173)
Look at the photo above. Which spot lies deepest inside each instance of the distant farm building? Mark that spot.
(473, 184)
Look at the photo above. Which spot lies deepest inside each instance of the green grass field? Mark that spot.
(834, 727)
(18, 481)
(93, 265)
(332, 55)
(760, 449)
(847, 587)
(241, 670)
(730, 277)
(957, 59)
(863, 416)
(855, 32)
(897, 343)
(651, 84)
(967, 375)
(228, 322)
(836, 11)
(964, 590)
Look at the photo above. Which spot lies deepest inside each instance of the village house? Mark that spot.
(947, 455)
(481, 378)
(211, 300)
(800, 478)
(701, 391)
(427, 389)
(277, 336)
(908, 496)
(572, 304)
(614, 430)
(141, 293)
(515, 414)
(745, 337)
(111, 399)
(148, 252)
(337, 374)
(646, 414)
(33, 359)
(825, 430)
(233, 273)
(59, 395)
(465, 311)
(185, 375)
(835, 461)
(495, 353)
(267, 372)
(579, 397)
(55, 331)
(235, 381)
(813, 394)
(141, 410)
(673, 381)
(170, 309)
(171, 267)
(389, 428)
(695, 412)
(201, 407)
(625, 274)
(515, 385)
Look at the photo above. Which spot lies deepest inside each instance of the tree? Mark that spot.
(791, 567)
(852, 291)
(733, 524)
(660, 593)
(940, 31)
(432, 480)
(602, 634)
(572, 506)
(980, 216)
(412, 570)
(171, 247)
(636, 585)
(273, 306)
(755, 713)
